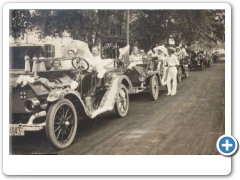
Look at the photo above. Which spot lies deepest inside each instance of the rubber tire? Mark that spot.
(179, 77)
(116, 107)
(50, 124)
(152, 79)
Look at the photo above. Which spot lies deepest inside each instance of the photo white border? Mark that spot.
(115, 164)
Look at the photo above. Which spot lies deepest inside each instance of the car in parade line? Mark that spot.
(183, 68)
(56, 100)
(146, 76)
(196, 61)
(208, 60)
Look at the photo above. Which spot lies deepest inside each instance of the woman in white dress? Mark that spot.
(34, 68)
(27, 63)
(41, 66)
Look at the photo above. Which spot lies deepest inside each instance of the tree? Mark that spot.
(147, 27)
(155, 26)
(19, 22)
(81, 23)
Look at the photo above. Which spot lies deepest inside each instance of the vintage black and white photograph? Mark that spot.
(116, 82)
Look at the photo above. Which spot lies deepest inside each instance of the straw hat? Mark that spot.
(161, 48)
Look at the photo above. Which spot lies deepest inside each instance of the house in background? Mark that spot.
(48, 47)
(115, 39)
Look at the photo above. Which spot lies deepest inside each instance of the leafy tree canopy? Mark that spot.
(147, 27)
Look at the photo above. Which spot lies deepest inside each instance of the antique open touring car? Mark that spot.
(145, 76)
(208, 60)
(55, 100)
(197, 61)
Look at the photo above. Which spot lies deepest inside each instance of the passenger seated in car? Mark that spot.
(135, 58)
(56, 65)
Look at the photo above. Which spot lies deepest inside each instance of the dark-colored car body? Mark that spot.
(57, 100)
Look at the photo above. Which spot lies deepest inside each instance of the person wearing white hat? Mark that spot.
(172, 62)
(161, 53)
(142, 53)
(178, 53)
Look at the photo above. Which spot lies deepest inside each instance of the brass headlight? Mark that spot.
(142, 77)
(31, 105)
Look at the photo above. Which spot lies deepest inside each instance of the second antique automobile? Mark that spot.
(208, 60)
(197, 61)
(145, 76)
(55, 100)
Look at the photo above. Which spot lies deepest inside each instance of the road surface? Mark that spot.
(188, 123)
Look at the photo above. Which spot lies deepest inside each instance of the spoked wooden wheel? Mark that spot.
(179, 75)
(122, 102)
(154, 87)
(61, 123)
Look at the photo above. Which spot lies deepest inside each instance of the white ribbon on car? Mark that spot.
(24, 80)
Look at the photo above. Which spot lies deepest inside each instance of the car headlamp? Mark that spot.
(31, 105)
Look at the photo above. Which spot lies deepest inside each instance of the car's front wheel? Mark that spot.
(154, 87)
(61, 123)
(122, 102)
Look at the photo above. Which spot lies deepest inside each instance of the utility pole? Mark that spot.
(127, 27)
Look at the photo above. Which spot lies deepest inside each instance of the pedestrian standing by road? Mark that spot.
(27, 63)
(41, 66)
(34, 59)
(172, 62)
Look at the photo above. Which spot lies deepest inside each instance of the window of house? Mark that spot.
(49, 51)
(119, 30)
(116, 30)
(113, 30)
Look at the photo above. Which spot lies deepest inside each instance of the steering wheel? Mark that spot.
(78, 62)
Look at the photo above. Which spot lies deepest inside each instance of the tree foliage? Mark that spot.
(19, 21)
(156, 26)
(147, 27)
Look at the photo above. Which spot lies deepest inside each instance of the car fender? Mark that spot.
(70, 94)
(123, 79)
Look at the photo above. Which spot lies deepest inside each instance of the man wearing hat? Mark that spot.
(172, 62)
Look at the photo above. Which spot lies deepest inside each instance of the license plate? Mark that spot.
(16, 131)
(133, 91)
